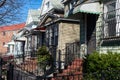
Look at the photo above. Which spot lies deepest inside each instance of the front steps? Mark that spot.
(72, 72)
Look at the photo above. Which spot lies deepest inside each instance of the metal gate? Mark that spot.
(72, 52)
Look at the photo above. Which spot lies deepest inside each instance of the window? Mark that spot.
(3, 43)
(52, 35)
(8, 49)
(56, 30)
(4, 33)
(48, 4)
(111, 19)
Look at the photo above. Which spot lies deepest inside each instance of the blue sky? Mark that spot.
(30, 4)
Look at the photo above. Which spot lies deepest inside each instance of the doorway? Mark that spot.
(91, 32)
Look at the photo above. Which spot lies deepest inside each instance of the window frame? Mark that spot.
(111, 23)
(51, 35)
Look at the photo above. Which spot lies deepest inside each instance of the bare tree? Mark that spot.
(2, 2)
(10, 11)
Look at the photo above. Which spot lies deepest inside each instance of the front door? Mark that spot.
(91, 32)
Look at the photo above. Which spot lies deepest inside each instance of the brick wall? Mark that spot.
(6, 33)
(4, 39)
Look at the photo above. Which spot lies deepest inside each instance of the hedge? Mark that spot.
(102, 64)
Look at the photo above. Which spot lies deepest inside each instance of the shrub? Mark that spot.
(43, 57)
(98, 63)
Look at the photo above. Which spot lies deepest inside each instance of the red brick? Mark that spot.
(9, 31)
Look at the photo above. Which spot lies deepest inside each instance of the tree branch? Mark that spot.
(2, 3)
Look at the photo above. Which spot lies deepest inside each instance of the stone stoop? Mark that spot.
(72, 72)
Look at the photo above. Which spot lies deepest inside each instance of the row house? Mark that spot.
(72, 29)
(32, 42)
(59, 32)
(87, 12)
(35, 36)
(24, 41)
(99, 29)
(6, 35)
(52, 30)
(99, 24)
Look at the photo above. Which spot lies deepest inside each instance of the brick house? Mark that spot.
(6, 33)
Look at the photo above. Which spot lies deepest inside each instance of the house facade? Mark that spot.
(109, 27)
(6, 34)
(83, 27)
(84, 11)
(59, 33)
(24, 39)
(99, 24)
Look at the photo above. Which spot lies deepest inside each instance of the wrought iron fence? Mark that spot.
(21, 75)
(23, 72)
(103, 75)
(29, 70)
(72, 51)
(31, 67)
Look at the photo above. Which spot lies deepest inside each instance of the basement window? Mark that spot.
(48, 4)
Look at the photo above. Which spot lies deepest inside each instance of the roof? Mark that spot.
(57, 4)
(31, 25)
(12, 27)
(63, 20)
(33, 15)
(91, 7)
(54, 5)
(45, 17)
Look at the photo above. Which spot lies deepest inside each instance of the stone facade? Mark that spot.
(68, 33)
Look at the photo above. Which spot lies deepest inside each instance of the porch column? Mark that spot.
(83, 46)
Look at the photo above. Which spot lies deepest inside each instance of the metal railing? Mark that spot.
(20, 75)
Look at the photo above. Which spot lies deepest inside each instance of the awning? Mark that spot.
(6, 45)
(11, 43)
(20, 39)
(92, 8)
